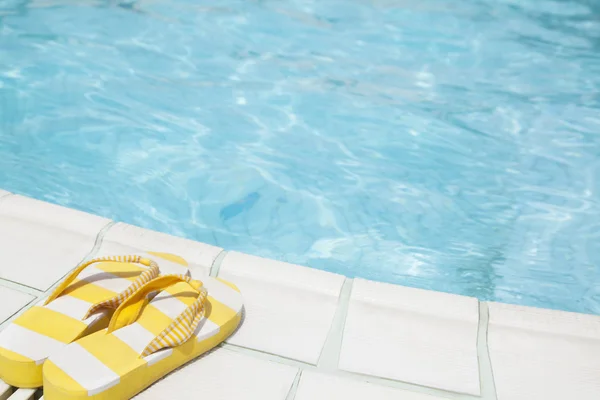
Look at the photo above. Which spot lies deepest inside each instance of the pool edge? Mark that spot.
(370, 338)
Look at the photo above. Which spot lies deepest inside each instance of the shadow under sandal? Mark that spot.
(145, 340)
(81, 304)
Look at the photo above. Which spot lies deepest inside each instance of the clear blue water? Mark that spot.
(447, 145)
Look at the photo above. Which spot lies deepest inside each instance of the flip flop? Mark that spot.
(81, 304)
(145, 340)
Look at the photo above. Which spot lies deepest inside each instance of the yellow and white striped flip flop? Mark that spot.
(145, 339)
(82, 303)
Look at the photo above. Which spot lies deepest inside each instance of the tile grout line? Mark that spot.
(486, 375)
(267, 356)
(294, 388)
(330, 353)
(98, 241)
(89, 255)
(406, 386)
(18, 312)
(30, 290)
(216, 265)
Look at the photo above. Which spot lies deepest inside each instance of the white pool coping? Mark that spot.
(314, 335)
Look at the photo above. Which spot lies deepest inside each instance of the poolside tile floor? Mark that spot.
(41, 242)
(412, 335)
(12, 301)
(544, 354)
(319, 386)
(288, 309)
(312, 335)
(198, 255)
(225, 375)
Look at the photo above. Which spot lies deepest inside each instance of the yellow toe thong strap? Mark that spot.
(152, 272)
(178, 331)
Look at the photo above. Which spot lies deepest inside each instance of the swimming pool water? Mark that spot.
(448, 145)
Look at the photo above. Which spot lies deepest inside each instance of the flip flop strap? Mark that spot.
(147, 275)
(113, 303)
(182, 328)
(179, 330)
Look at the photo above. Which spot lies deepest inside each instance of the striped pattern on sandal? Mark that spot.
(146, 339)
(67, 314)
(145, 277)
(184, 326)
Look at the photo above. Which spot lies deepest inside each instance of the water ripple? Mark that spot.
(439, 144)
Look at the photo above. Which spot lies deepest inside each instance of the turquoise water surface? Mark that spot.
(447, 145)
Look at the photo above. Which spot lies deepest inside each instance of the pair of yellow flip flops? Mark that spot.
(114, 326)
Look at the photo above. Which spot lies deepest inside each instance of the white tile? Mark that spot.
(52, 215)
(412, 335)
(40, 242)
(4, 193)
(39, 255)
(12, 301)
(198, 255)
(318, 386)
(282, 274)
(225, 375)
(544, 354)
(288, 308)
